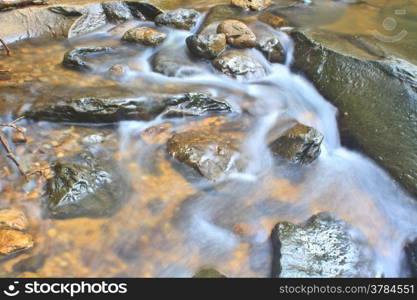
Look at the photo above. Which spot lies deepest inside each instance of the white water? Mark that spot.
(341, 182)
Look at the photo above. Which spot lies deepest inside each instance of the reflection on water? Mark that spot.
(176, 221)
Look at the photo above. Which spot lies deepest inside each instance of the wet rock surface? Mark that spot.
(13, 238)
(252, 4)
(180, 18)
(376, 97)
(76, 58)
(146, 36)
(239, 64)
(211, 154)
(122, 105)
(410, 251)
(206, 46)
(117, 12)
(84, 185)
(238, 34)
(299, 144)
(272, 20)
(208, 272)
(324, 246)
(175, 63)
(268, 42)
(140, 9)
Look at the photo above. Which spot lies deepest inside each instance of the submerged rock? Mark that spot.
(206, 46)
(13, 238)
(76, 58)
(174, 62)
(239, 64)
(145, 36)
(324, 246)
(376, 97)
(237, 34)
(410, 251)
(208, 272)
(85, 186)
(211, 154)
(117, 12)
(300, 144)
(180, 18)
(272, 20)
(109, 109)
(252, 4)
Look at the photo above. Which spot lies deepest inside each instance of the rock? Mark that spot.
(85, 186)
(239, 64)
(117, 12)
(13, 223)
(140, 9)
(300, 144)
(12, 241)
(206, 46)
(252, 4)
(12, 4)
(212, 154)
(115, 106)
(13, 219)
(92, 18)
(145, 36)
(30, 264)
(410, 251)
(117, 70)
(174, 62)
(208, 272)
(269, 44)
(376, 98)
(272, 20)
(237, 34)
(19, 137)
(324, 246)
(93, 139)
(76, 58)
(180, 18)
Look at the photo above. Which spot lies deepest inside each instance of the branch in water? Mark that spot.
(5, 47)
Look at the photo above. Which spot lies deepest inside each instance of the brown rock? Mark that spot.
(13, 240)
(18, 137)
(237, 34)
(206, 46)
(13, 219)
(144, 35)
(252, 4)
(117, 70)
(272, 20)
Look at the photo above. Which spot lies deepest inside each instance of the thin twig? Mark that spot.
(8, 52)
(10, 154)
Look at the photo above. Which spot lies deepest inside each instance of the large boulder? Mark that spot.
(376, 97)
(85, 186)
(324, 246)
(108, 106)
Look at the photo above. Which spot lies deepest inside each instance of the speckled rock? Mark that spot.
(252, 4)
(146, 36)
(180, 18)
(324, 246)
(237, 34)
(206, 46)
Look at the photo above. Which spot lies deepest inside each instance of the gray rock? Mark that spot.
(92, 18)
(376, 97)
(108, 106)
(76, 58)
(174, 62)
(117, 12)
(140, 9)
(324, 246)
(85, 186)
(206, 46)
(299, 144)
(410, 251)
(239, 64)
(180, 18)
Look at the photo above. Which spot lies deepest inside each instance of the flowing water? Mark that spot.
(176, 221)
